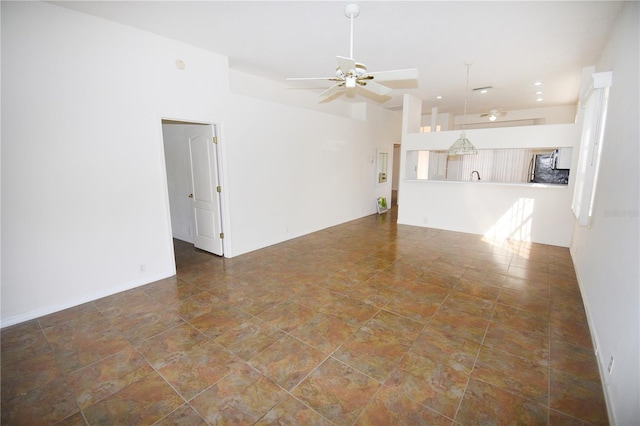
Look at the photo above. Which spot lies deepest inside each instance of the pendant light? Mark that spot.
(463, 146)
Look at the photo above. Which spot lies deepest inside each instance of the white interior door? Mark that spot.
(205, 198)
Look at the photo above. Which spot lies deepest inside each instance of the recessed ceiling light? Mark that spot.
(539, 100)
(537, 83)
(539, 92)
(438, 97)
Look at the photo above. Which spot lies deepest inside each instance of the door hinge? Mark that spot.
(215, 139)
(218, 189)
(222, 235)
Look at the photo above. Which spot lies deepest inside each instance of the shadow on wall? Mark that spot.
(515, 223)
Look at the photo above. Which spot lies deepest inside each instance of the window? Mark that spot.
(595, 113)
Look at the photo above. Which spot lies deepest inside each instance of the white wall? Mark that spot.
(84, 205)
(529, 212)
(84, 192)
(290, 170)
(561, 114)
(606, 256)
(294, 171)
(501, 211)
(443, 119)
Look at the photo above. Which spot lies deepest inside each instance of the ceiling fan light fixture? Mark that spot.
(463, 146)
(493, 114)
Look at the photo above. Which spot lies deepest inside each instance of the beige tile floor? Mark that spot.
(368, 322)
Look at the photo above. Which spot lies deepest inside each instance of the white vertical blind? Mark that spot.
(497, 165)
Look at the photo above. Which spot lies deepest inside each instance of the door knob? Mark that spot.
(190, 195)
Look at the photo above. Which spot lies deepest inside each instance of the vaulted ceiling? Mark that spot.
(510, 44)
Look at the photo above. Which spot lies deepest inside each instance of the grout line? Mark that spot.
(475, 361)
(449, 252)
(549, 357)
(62, 373)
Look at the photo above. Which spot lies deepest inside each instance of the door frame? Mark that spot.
(395, 172)
(217, 130)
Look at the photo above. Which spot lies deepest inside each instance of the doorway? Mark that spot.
(193, 183)
(395, 174)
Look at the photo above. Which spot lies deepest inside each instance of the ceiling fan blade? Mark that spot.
(376, 88)
(346, 64)
(394, 75)
(333, 89)
(333, 97)
(313, 78)
(485, 115)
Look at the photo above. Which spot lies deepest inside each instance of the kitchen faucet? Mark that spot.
(476, 172)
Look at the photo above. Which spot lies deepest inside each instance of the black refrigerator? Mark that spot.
(542, 169)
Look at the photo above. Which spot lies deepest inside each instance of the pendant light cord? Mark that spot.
(466, 95)
(463, 146)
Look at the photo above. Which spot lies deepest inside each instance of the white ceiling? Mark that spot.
(511, 44)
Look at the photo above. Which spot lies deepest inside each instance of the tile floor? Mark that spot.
(368, 322)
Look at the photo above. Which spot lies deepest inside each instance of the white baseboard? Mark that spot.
(37, 313)
(596, 345)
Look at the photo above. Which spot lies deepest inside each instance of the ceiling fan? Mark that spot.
(493, 114)
(351, 75)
